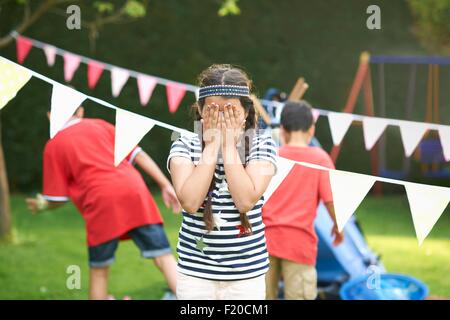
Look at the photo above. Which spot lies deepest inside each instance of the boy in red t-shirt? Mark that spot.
(78, 165)
(290, 212)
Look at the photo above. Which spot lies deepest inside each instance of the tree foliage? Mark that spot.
(433, 24)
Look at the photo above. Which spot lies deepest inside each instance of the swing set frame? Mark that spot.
(362, 81)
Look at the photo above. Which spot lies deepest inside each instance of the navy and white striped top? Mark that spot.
(225, 253)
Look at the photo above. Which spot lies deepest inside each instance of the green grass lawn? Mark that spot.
(388, 225)
(35, 266)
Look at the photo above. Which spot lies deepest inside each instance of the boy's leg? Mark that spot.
(100, 258)
(98, 283)
(273, 278)
(300, 281)
(153, 243)
(168, 266)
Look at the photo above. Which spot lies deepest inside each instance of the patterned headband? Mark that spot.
(223, 90)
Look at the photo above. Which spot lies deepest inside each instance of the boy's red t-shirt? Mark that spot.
(290, 212)
(79, 165)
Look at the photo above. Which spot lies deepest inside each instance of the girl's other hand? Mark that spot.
(211, 124)
(232, 125)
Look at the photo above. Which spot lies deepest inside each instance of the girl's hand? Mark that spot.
(211, 125)
(232, 125)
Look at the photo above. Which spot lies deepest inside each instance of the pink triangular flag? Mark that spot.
(23, 47)
(175, 93)
(146, 85)
(50, 53)
(71, 63)
(95, 70)
(118, 79)
(444, 134)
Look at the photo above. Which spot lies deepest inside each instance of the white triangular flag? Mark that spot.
(412, 133)
(50, 53)
(130, 129)
(339, 124)
(119, 77)
(373, 128)
(427, 204)
(284, 166)
(65, 102)
(349, 190)
(444, 134)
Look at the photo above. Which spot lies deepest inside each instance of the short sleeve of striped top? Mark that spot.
(228, 252)
(263, 148)
(186, 147)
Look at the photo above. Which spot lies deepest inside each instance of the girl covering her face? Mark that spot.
(220, 177)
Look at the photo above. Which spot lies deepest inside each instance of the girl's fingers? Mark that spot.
(211, 116)
(237, 116)
(227, 116)
(234, 115)
(215, 116)
(205, 115)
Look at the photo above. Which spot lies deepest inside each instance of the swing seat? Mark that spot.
(432, 157)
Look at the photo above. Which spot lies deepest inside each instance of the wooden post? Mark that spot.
(298, 90)
(296, 94)
(368, 102)
(5, 210)
(260, 110)
(353, 96)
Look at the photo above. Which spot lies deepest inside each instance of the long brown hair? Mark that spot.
(225, 74)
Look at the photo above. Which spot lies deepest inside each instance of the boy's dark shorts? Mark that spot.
(150, 239)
